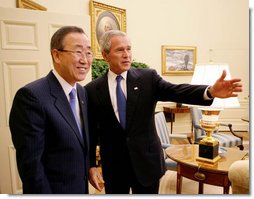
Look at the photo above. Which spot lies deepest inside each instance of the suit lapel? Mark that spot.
(63, 105)
(103, 95)
(133, 93)
(83, 110)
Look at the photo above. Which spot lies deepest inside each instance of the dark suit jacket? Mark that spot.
(139, 145)
(51, 155)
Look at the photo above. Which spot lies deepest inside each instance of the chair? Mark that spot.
(225, 140)
(238, 175)
(165, 138)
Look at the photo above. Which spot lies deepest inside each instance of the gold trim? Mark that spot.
(210, 161)
(28, 4)
(96, 12)
(210, 112)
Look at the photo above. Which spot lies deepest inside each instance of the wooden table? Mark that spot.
(171, 111)
(187, 166)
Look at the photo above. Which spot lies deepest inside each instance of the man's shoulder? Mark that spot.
(96, 81)
(36, 84)
(34, 90)
(38, 87)
(141, 69)
(142, 72)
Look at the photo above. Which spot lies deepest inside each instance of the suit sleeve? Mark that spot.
(93, 125)
(93, 135)
(27, 125)
(180, 93)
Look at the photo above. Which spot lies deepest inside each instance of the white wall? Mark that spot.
(220, 25)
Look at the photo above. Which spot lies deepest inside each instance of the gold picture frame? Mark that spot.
(103, 18)
(178, 60)
(28, 4)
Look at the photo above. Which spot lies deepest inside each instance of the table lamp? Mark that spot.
(207, 74)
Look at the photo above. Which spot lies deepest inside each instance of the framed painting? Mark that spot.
(178, 60)
(28, 4)
(103, 18)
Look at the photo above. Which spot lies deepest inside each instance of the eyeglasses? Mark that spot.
(78, 53)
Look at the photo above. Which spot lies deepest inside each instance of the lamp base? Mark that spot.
(210, 161)
(208, 153)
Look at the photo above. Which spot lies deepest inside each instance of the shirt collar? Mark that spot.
(112, 75)
(65, 85)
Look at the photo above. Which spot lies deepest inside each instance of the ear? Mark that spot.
(55, 55)
(104, 55)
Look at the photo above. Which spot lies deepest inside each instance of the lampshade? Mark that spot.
(207, 74)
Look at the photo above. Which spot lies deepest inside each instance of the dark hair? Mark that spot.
(59, 35)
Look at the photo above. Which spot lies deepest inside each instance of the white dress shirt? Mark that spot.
(67, 89)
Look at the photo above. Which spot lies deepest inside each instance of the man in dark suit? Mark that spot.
(131, 153)
(50, 133)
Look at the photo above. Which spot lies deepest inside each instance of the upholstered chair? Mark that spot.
(225, 140)
(238, 175)
(166, 138)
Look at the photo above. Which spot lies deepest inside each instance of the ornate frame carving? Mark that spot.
(103, 18)
(28, 4)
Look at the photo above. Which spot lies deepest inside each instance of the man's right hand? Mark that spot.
(96, 179)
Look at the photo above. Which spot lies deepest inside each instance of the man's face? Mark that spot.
(119, 57)
(75, 59)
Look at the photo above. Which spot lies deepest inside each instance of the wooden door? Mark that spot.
(24, 57)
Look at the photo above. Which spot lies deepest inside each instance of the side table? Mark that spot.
(171, 111)
(187, 166)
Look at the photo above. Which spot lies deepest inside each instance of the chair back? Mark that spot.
(225, 140)
(198, 132)
(161, 127)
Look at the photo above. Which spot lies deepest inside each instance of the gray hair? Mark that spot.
(105, 41)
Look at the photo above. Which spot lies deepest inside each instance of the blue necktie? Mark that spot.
(121, 102)
(72, 95)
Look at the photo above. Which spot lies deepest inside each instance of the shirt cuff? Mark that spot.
(207, 94)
